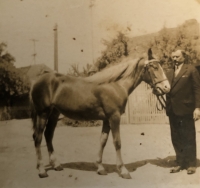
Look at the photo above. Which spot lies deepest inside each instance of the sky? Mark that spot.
(82, 24)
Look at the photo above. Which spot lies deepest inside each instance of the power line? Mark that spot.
(34, 50)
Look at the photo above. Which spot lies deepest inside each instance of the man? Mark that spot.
(183, 109)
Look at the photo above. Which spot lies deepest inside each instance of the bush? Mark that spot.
(168, 41)
(115, 50)
(5, 116)
(75, 123)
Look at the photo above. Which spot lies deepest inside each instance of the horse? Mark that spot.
(102, 96)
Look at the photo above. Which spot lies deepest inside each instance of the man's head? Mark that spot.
(178, 57)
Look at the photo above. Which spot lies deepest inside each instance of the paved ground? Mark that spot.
(148, 158)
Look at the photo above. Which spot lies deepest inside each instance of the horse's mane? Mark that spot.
(116, 72)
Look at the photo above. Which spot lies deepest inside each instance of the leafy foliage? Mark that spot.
(168, 41)
(74, 70)
(163, 43)
(12, 83)
(75, 123)
(114, 51)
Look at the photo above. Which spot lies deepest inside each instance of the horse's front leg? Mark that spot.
(103, 141)
(115, 128)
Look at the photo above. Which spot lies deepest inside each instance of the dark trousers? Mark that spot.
(183, 135)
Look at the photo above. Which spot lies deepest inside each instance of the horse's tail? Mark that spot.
(33, 111)
(33, 116)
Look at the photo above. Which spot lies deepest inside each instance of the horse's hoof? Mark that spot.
(102, 172)
(126, 176)
(58, 168)
(43, 175)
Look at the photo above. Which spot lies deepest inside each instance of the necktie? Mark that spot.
(176, 70)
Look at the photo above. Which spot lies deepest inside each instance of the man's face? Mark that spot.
(177, 57)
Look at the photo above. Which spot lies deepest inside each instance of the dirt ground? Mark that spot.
(147, 156)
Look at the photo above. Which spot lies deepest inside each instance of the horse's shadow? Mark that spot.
(167, 162)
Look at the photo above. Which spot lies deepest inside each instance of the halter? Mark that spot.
(161, 100)
(146, 66)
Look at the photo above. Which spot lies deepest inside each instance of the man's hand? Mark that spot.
(196, 114)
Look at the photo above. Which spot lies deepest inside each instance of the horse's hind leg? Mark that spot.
(49, 132)
(37, 136)
(115, 128)
(103, 141)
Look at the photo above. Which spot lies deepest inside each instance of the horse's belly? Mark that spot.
(81, 110)
(86, 114)
(78, 103)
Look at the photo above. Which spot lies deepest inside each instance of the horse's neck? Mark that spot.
(130, 83)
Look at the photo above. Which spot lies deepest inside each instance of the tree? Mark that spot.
(115, 50)
(169, 40)
(12, 82)
(74, 70)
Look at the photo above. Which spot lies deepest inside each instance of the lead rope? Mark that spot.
(162, 102)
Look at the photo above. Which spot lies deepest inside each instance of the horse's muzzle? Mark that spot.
(161, 91)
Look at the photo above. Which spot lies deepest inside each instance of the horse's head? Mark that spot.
(155, 76)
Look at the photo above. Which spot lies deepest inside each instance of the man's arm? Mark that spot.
(196, 89)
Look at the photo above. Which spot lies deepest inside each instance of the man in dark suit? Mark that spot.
(183, 109)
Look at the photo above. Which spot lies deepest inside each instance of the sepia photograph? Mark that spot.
(99, 93)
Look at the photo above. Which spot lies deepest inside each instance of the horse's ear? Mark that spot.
(150, 54)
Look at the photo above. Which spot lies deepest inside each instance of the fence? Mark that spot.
(141, 108)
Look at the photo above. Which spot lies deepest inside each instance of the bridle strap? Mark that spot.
(159, 81)
(160, 98)
(152, 60)
(153, 84)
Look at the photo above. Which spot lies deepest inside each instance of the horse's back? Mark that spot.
(45, 88)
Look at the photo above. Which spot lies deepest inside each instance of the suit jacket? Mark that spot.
(184, 95)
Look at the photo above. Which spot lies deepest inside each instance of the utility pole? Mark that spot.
(92, 4)
(56, 48)
(34, 50)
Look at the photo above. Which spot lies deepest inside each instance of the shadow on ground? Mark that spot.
(167, 162)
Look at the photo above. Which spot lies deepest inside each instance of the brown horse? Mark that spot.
(102, 96)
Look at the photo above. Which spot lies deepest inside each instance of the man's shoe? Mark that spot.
(191, 170)
(176, 169)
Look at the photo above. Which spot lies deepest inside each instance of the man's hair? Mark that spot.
(182, 52)
(185, 55)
